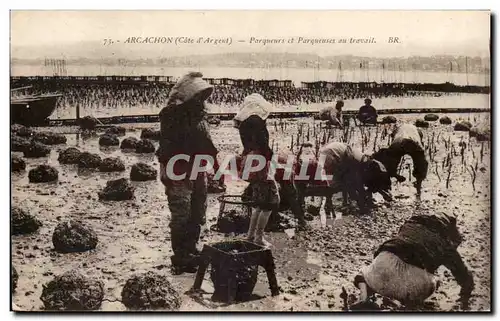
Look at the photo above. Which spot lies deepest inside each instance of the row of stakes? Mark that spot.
(382, 134)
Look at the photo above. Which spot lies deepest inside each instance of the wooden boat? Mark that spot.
(32, 109)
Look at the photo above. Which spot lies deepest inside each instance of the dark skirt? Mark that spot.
(263, 194)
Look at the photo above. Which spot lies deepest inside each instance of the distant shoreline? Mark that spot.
(296, 75)
(268, 60)
(135, 64)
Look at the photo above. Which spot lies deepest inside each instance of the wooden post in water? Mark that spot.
(77, 112)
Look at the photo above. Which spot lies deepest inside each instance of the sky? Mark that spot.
(420, 32)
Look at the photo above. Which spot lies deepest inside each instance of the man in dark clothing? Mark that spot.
(367, 113)
(403, 267)
(184, 131)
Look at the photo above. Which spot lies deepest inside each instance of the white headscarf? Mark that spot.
(253, 104)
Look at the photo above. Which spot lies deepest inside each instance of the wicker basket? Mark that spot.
(234, 214)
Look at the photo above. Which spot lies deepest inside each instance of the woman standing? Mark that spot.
(251, 123)
(263, 192)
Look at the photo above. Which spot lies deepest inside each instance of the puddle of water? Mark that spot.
(322, 219)
(290, 232)
(331, 221)
(325, 220)
(313, 258)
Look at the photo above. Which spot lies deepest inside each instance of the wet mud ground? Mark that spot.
(312, 266)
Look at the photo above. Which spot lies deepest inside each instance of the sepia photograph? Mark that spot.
(250, 161)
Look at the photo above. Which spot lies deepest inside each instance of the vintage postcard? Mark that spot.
(330, 161)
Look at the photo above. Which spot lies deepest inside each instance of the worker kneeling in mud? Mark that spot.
(251, 123)
(407, 140)
(403, 267)
(353, 170)
(184, 132)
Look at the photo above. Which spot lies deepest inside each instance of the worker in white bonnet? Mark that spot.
(184, 131)
(253, 105)
(265, 193)
(261, 192)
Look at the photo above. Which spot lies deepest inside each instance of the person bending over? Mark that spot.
(407, 140)
(403, 267)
